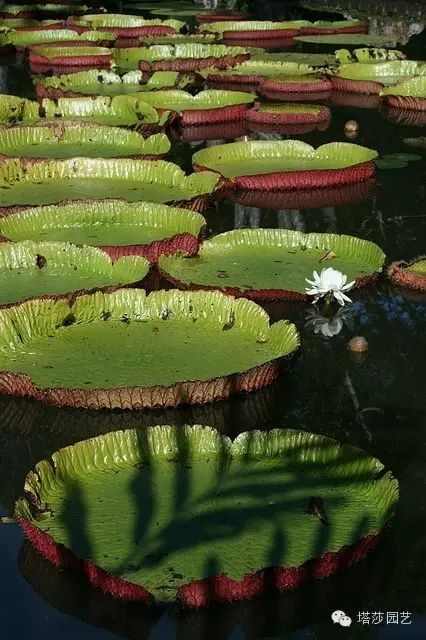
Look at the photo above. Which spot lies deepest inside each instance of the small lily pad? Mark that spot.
(406, 157)
(390, 163)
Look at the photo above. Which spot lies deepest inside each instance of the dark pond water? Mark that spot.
(376, 401)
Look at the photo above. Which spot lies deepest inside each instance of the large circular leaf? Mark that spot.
(23, 38)
(258, 157)
(272, 263)
(128, 349)
(33, 269)
(107, 83)
(117, 226)
(51, 181)
(147, 510)
(68, 140)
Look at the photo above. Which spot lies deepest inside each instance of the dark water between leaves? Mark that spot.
(376, 402)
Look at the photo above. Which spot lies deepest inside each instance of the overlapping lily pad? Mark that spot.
(254, 28)
(68, 140)
(115, 350)
(311, 59)
(410, 274)
(52, 181)
(47, 57)
(271, 263)
(301, 87)
(14, 109)
(24, 38)
(368, 55)
(236, 499)
(206, 106)
(17, 10)
(253, 71)
(126, 25)
(371, 78)
(178, 38)
(34, 269)
(336, 26)
(180, 57)
(409, 94)
(287, 164)
(118, 227)
(107, 83)
(354, 39)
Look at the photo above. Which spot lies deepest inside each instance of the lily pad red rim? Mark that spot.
(225, 17)
(400, 274)
(358, 100)
(355, 86)
(210, 590)
(149, 397)
(405, 103)
(304, 198)
(409, 117)
(40, 63)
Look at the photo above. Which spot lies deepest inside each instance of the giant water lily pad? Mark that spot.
(14, 109)
(26, 38)
(168, 55)
(349, 26)
(286, 164)
(61, 52)
(107, 83)
(384, 73)
(127, 24)
(261, 27)
(272, 263)
(118, 227)
(311, 59)
(50, 181)
(115, 350)
(178, 38)
(410, 274)
(33, 269)
(124, 110)
(204, 106)
(414, 87)
(151, 508)
(355, 39)
(68, 140)
(258, 69)
(367, 55)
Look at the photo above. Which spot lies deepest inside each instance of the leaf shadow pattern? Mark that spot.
(212, 506)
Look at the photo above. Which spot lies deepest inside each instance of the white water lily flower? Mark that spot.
(329, 281)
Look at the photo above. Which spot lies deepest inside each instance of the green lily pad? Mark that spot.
(12, 23)
(32, 269)
(179, 101)
(257, 157)
(261, 68)
(310, 59)
(178, 38)
(120, 21)
(14, 109)
(414, 87)
(405, 157)
(252, 25)
(51, 181)
(418, 266)
(14, 9)
(386, 73)
(128, 339)
(281, 108)
(390, 163)
(113, 499)
(338, 24)
(255, 260)
(108, 83)
(129, 58)
(101, 223)
(349, 39)
(24, 38)
(124, 110)
(370, 55)
(68, 140)
(51, 52)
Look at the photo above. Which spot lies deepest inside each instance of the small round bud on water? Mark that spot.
(358, 344)
(351, 129)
